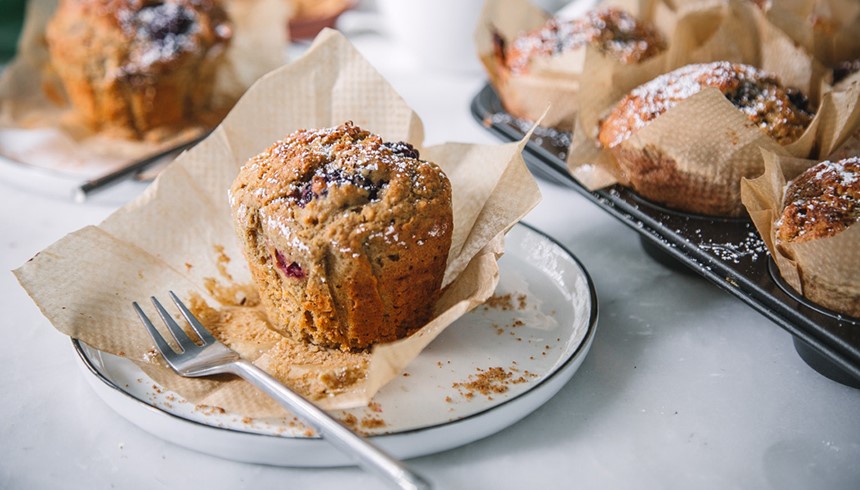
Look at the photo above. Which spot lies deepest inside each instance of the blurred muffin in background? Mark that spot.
(132, 66)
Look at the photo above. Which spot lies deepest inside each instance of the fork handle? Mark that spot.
(367, 455)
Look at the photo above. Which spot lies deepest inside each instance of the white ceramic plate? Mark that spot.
(540, 341)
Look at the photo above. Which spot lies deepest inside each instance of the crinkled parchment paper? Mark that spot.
(39, 127)
(179, 236)
(826, 270)
(827, 29)
(704, 143)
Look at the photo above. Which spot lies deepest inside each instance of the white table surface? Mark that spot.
(684, 387)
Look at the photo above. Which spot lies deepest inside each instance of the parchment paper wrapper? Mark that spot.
(39, 127)
(85, 283)
(827, 29)
(692, 157)
(554, 82)
(826, 270)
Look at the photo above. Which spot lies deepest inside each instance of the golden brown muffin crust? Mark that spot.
(779, 112)
(821, 202)
(610, 30)
(347, 236)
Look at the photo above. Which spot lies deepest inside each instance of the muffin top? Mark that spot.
(821, 202)
(780, 112)
(610, 30)
(144, 36)
(344, 180)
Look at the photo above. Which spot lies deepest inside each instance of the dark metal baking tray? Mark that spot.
(728, 252)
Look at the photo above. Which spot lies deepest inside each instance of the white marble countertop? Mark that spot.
(684, 387)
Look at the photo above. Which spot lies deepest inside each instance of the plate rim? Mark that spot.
(583, 346)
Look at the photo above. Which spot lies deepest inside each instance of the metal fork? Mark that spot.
(213, 357)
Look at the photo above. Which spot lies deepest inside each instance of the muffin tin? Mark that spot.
(726, 251)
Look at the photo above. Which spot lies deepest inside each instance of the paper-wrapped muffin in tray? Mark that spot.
(811, 226)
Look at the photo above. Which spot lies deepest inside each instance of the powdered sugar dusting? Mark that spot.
(822, 201)
(755, 93)
(611, 30)
(161, 32)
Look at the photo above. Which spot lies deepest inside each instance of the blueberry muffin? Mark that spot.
(130, 66)
(346, 235)
(530, 72)
(821, 202)
(819, 207)
(781, 113)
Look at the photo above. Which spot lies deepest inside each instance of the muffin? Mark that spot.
(541, 68)
(819, 207)
(346, 235)
(821, 202)
(130, 66)
(781, 113)
(612, 31)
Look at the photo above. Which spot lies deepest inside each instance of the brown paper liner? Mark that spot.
(179, 236)
(689, 161)
(827, 29)
(39, 127)
(827, 270)
(553, 83)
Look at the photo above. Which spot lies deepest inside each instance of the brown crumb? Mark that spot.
(448, 399)
(372, 423)
(375, 407)
(518, 323)
(521, 302)
(222, 262)
(209, 409)
(188, 266)
(247, 420)
(349, 420)
(485, 382)
(500, 302)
